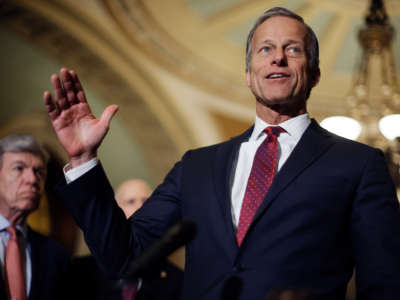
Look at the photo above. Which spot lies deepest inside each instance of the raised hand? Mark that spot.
(77, 128)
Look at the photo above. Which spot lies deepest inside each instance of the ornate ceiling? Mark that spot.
(203, 41)
(176, 67)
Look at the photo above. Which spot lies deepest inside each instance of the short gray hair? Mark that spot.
(312, 48)
(17, 143)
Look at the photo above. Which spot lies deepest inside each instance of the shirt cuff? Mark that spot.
(72, 174)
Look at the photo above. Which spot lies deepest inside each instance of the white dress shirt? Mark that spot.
(294, 128)
(22, 239)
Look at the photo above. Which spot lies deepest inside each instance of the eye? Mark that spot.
(294, 50)
(19, 168)
(265, 49)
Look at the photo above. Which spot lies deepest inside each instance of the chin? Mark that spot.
(30, 205)
(273, 101)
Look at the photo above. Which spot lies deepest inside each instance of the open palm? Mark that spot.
(77, 128)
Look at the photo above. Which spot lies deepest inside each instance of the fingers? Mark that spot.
(78, 87)
(67, 89)
(52, 109)
(69, 86)
(108, 114)
(59, 92)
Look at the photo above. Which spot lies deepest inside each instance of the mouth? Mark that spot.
(277, 76)
(30, 194)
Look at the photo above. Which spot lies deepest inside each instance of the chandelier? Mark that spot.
(374, 100)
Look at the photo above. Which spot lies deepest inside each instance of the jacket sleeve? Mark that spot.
(113, 240)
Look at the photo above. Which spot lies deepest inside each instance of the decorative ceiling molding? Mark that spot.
(145, 31)
(160, 150)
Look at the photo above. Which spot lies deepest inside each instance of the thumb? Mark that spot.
(108, 114)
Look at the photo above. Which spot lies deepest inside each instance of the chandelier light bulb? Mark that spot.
(343, 126)
(390, 126)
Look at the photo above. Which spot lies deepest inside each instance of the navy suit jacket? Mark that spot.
(49, 264)
(331, 208)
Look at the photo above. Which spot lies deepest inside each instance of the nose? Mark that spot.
(31, 177)
(279, 57)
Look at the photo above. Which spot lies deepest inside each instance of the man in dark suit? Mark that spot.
(33, 266)
(285, 206)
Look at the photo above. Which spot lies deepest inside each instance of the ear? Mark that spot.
(316, 78)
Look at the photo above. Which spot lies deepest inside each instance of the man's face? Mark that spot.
(131, 195)
(22, 177)
(278, 64)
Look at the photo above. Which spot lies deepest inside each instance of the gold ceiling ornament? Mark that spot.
(374, 99)
(375, 92)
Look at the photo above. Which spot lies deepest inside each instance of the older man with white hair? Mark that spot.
(31, 264)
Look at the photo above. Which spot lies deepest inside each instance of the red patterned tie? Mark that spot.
(14, 270)
(260, 179)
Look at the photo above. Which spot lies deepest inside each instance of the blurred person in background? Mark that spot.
(131, 194)
(32, 265)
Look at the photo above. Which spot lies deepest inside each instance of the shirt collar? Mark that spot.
(4, 223)
(294, 127)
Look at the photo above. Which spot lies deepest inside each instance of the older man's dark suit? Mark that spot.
(49, 264)
(331, 207)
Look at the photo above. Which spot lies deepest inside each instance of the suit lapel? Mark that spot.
(314, 142)
(226, 157)
(34, 263)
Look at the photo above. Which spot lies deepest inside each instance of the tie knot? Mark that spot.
(273, 130)
(12, 230)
